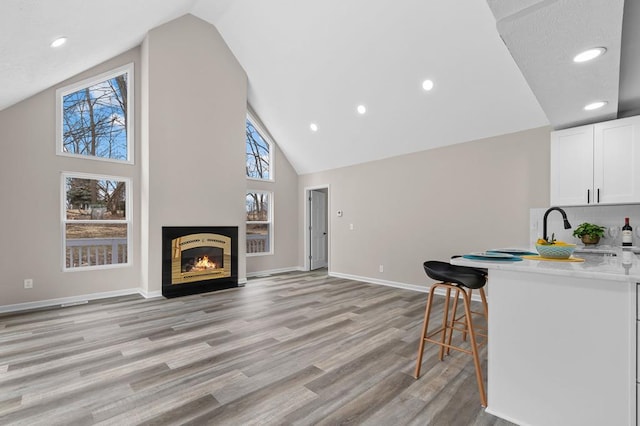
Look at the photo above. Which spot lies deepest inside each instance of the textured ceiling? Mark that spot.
(309, 62)
(543, 38)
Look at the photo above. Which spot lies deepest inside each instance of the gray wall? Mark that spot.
(432, 205)
(31, 201)
(195, 95)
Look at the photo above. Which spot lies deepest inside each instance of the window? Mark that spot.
(95, 117)
(96, 221)
(259, 223)
(259, 153)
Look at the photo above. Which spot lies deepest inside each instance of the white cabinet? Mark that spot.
(572, 166)
(596, 164)
(616, 159)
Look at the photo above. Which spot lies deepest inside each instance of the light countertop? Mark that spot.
(622, 267)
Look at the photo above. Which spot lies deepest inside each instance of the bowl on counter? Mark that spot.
(555, 251)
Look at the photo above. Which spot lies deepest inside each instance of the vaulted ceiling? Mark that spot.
(315, 62)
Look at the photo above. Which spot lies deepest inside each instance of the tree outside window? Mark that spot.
(259, 153)
(259, 223)
(94, 117)
(96, 221)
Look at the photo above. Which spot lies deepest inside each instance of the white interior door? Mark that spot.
(318, 229)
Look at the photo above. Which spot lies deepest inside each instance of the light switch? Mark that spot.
(351, 227)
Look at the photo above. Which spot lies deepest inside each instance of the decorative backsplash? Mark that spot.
(607, 216)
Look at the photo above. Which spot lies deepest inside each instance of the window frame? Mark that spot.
(64, 221)
(74, 87)
(265, 136)
(260, 222)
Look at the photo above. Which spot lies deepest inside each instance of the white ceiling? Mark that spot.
(316, 61)
(308, 62)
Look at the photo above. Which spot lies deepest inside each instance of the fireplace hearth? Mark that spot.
(198, 259)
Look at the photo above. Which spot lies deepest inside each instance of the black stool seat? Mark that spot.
(462, 281)
(455, 274)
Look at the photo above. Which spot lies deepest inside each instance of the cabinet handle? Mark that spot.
(598, 195)
(588, 198)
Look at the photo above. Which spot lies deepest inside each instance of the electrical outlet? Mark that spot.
(381, 268)
(28, 283)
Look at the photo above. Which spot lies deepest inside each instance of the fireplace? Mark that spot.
(197, 259)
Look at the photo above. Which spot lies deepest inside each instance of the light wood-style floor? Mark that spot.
(296, 348)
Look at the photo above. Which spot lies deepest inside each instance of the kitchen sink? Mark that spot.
(599, 252)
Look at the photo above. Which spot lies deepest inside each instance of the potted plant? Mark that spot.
(589, 233)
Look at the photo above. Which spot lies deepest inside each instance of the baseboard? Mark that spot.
(507, 418)
(150, 294)
(405, 286)
(74, 300)
(273, 271)
(66, 301)
(396, 284)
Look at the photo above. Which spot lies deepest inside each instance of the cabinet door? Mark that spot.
(572, 166)
(616, 161)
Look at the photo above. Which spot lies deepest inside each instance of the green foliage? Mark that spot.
(589, 230)
(79, 192)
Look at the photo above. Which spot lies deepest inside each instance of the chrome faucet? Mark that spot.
(567, 225)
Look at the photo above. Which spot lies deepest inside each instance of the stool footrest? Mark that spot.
(457, 348)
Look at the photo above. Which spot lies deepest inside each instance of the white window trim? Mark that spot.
(63, 91)
(64, 221)
(269, 222)
(267, 138)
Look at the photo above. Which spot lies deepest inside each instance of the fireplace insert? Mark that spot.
(198, 259)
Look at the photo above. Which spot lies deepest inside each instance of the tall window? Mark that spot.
(95, 117)
(259, 153)
(259, 223)
(96, 220)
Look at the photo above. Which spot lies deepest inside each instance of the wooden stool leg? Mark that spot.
(484, 304)
(453, 319)
(464, 333)
(474, 348)
(445, 319)
(425, 327)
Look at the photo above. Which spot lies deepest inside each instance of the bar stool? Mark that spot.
(462, 280)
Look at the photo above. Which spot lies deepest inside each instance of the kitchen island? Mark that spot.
(562, 340)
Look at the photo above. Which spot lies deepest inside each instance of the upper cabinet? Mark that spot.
(572, 166)
(596, 164)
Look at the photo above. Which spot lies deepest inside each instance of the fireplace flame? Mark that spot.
(204, 263)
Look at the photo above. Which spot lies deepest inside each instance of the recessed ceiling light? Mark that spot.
(361, 109)
(427, 85)
(595, 105)
(589, 54)
(58, 42)
(313, 127)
